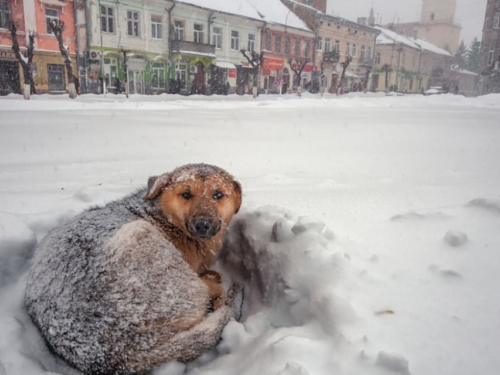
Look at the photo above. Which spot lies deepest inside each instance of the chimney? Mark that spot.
(362, 21)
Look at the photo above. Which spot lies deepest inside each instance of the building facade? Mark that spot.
(437, 25)
(489, 59)
(232, 27)
(10, 72)
(336, 39)
(49, 72)
(126, 45)
(409, 65)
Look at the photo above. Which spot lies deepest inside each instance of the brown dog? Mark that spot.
(123, 288)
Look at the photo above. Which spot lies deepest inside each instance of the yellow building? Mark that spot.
(408, 65)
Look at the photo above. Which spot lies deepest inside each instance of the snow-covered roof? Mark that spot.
(271, 11)
(463, 71)
(391, 37)
(274, 11)
(236, 7)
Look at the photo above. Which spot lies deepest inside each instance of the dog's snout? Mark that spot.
(202, 226)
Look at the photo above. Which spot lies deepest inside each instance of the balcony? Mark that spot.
(366, 62)
(183, 46)
(331, 56)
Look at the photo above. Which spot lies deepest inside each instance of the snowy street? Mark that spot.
(405, 278)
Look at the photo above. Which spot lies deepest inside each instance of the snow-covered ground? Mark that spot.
(370, 222)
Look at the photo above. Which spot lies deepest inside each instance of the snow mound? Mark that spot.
(392, 361)
(455, 238)
(490, 205)
(291, 315)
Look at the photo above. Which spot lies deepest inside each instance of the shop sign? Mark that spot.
(307, 68)
(273, 64)
(7, 55)
(232, 73)
(183, 61)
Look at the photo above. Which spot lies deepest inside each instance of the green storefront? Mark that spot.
(190, 73)
(146, 73)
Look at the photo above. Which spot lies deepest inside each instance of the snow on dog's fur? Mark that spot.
(123, 288)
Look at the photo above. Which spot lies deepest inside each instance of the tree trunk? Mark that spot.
(57, 27)
(27, 91)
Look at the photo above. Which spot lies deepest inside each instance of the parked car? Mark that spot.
(435, 90)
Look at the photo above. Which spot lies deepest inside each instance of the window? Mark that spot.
(354, 50)
(369, 54)
(50, 15)
(328, 44)
(251, 42)
(5, 15)
(277, 43)
(496, 20)
(377, 58)
(363, 53)
(348, 49)
(307, 49)
(156, 27)
(198, 33)
(297, 47)
(218, 37)
(432, 16)
(268, 41)
(132, 23)
(235, 40)
(288, 45)
(107, 19)
(179, 30)
(319, 44)
(491, 54)
(337, 46)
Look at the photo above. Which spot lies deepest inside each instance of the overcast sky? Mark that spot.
(470, 13)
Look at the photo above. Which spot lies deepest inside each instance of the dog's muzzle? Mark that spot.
(203, 229)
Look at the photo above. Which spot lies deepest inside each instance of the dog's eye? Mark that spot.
(186, 195)
(219, 195)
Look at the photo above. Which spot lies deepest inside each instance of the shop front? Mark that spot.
(222, 79)
(272, 72)
(10, 79)
(191, 75)
(49, 72)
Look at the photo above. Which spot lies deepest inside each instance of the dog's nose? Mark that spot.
(202, 226)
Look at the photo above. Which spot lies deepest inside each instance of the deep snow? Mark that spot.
(374, 250)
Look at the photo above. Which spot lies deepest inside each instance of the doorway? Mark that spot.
(9, 78)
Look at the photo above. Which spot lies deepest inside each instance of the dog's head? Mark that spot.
(200, 199)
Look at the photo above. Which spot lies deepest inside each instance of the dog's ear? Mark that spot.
(238, 192)
(156, 184)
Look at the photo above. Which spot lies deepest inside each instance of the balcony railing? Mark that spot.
(366, 62)
(331, 56)
(198, 48)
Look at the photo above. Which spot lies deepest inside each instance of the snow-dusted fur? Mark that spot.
(112, 295)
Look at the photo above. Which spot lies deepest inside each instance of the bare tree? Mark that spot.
(124, 52)
(29, 84)
(57, 27)
(255, 60)
(387, 69)
(344, 65)
(297, 70)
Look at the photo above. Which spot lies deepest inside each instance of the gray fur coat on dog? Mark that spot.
(112, 295)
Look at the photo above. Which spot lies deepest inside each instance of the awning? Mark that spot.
(225, 65)
(351, 74)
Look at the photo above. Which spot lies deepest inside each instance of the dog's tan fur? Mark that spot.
(202, 186)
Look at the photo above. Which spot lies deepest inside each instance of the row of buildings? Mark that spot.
(218, 46)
